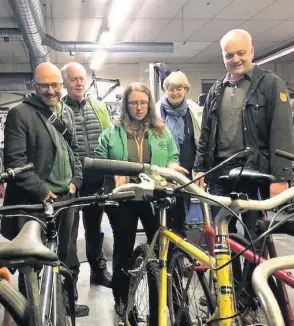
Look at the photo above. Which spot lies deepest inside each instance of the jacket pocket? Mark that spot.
(257, 108)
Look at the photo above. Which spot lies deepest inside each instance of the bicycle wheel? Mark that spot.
(247, 302)
(142, 306)
(15, 303)
(61, 303)
(187, 287)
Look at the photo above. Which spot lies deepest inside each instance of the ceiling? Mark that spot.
(194, 26)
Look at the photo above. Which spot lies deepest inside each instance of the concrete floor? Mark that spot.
(100, 300)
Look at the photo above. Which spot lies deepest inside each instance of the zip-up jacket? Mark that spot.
(91, 118)
(267, 125)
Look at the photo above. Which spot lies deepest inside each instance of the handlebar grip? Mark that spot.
(125, 195)
(113, 167)
(284, 154)
(12, 173)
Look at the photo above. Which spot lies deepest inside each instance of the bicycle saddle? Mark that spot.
(27, 244)
(249, 175)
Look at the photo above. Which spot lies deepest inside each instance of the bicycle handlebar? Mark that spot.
(113, 167)
(123, 168)
(266, 297)
(12, 173)
(71, 202)
(284, 154)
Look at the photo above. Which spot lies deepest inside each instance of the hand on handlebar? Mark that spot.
(201, 183)
(121, 180)
(178, 168)
(278, 187)
(50, 195)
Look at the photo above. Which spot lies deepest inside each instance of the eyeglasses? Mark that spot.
(44, 87)
(137, 103)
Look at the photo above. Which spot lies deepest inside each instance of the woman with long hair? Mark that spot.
(138, 136)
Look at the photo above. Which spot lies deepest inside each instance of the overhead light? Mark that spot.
(276, 55)
(98, 59)
(118, 13)
(106, 38)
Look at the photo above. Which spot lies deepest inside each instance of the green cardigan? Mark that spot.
(113, 144)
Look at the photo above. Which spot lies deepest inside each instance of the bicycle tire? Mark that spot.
(61, 313)
(182, 297)
(15, 303)
(136, 273)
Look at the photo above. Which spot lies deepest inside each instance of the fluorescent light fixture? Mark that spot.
(118, 13)
(276, 55)
(106, 38)
(98, 59)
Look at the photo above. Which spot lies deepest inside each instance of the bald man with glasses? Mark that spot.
(41, 130)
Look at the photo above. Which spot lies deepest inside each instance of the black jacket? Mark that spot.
(267, 125)
(27, 139)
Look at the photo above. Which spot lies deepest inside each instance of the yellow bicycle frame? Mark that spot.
(225, 295)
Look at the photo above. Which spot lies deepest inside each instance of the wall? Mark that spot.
(140, 72)
(9, 99)
(127, 73)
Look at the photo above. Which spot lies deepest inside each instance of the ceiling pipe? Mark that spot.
(10, 34)
(20, 82)
(28, 14)
(63, 46)
(14, 34)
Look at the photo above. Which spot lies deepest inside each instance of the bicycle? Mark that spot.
(45, 303)
(246, 300)
(5, 275)
(226, 313)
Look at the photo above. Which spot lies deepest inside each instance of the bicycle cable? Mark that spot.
(280, 211)
(239, 219)
(256, 240)
(42, 224)
(213, 169)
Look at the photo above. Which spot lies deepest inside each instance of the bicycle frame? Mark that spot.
(46, 303)
(226, 307)
(48, 281)
(285, 277)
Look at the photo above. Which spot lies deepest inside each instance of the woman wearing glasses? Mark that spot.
(139, 136)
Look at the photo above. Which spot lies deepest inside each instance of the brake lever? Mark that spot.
(108, 203)
(145, 187)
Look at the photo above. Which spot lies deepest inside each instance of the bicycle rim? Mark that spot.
(143, 291)
(187, 288)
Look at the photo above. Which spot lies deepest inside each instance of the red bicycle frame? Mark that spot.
(283, 276)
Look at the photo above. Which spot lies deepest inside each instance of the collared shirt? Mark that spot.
(230, 130)
(229, 78)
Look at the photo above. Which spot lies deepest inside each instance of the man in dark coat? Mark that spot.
(30, 136)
